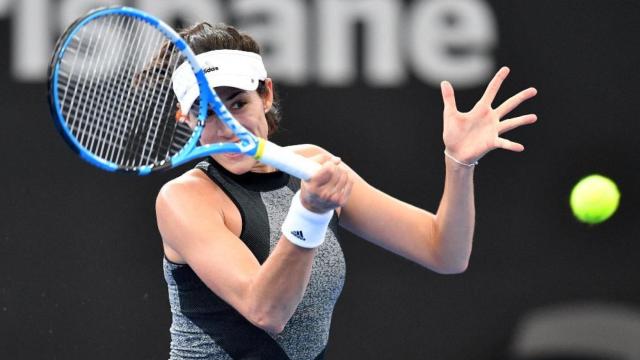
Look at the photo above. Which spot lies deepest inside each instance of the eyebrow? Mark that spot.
(233, 95)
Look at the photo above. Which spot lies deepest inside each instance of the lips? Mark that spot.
(233, 156)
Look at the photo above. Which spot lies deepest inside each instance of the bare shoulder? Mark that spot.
(180, 204)
(191, 186)
(184, 199)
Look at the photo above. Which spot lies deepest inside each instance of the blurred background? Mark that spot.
(81, 257)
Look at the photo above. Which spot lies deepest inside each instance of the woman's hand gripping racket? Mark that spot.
(110, 93)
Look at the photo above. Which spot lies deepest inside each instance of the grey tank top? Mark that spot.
(205, 327)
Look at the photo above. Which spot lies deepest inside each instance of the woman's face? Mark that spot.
(249, 108)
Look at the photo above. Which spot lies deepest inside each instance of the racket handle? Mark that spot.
(288, 161)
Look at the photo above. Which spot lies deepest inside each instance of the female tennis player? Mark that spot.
(252, 259)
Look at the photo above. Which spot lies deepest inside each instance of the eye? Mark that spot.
(237, 105)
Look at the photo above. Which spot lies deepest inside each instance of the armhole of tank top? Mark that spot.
(205, 169)
(171, 263)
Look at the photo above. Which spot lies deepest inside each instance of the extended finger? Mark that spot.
(510, 124)
(514, 101)
(509, 145)
(448, 96)
(494, 85)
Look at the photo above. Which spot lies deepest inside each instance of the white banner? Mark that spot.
(311, 42)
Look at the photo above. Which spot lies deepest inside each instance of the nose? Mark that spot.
(223, 131)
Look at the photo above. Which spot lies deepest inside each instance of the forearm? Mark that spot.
(455, 219)
(278, 287)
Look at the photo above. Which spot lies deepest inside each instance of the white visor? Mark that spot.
(233, 68)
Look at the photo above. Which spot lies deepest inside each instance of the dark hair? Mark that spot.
(203, 37)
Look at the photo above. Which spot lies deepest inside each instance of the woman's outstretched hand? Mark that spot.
(469, 136)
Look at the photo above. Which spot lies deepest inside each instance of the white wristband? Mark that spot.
(303, 227)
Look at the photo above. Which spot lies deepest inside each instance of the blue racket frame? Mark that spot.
(261, 149)
(248, 142)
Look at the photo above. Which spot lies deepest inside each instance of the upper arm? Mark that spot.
(192, 223)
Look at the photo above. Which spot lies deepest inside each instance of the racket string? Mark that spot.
(147, 146)
(142, 147)
(83, 96)
(115, 92)
(165, 85)
(132, 149)
(77, 84)
(124, 114)
(105, 146)
(99, 108)
(89, 125)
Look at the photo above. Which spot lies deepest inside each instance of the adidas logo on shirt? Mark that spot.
(298, 234)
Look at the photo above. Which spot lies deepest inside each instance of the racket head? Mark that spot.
(111, 97)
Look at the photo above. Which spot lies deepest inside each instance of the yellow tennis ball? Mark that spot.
(594, 199)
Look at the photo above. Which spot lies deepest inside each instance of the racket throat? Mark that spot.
(259, 149)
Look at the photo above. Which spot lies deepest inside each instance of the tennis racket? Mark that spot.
(110, 95)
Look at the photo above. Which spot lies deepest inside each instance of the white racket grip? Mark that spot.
(288, 161)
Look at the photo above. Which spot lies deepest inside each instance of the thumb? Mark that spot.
(448, 96)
